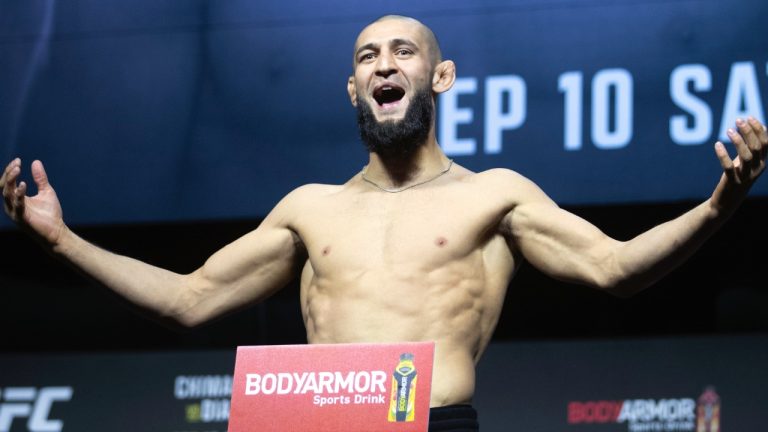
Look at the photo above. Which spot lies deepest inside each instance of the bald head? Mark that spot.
(396, 59)
(435, 55)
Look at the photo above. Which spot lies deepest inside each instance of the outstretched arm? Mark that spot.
(245, 271)
(569, 248)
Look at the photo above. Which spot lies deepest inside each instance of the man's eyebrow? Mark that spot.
(399, 41)
(392, 43)
(368, 46)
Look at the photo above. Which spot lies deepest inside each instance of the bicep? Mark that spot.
(243, 272)
(263, 258)
(561, 244)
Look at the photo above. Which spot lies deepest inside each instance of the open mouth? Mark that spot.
(388, 94)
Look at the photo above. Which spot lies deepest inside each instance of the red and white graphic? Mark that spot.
(708, 411)
(640, 415)
(349, 387)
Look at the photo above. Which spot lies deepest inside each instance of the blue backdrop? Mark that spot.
(162, 110)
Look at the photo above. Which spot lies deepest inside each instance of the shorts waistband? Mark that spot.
(453, 418)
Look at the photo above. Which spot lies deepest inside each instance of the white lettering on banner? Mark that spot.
(497, 121)
(700, 128)
(663, 427)
(451, 116)
(19, 402)
(214, 410)
(343, 382)
(570, 83)
(611, 118)
(603, 135)
(742, 97)
(358, 399)
(664, 410)
(612, 98)
(202, 386)
(315, 382)
(363, 382)
(498, 89)
(332, 400)
(370, 399)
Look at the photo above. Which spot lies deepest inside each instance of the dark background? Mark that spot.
(198, 110)
(170, 128)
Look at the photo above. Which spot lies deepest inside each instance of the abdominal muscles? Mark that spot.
(446, 304)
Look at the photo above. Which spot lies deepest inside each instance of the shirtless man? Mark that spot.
(415, 247)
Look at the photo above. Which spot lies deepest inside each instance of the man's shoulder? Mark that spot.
(300, 202)
(503, 184)
(314, 189)
(495, 177)
(308, 193)
(499, 174)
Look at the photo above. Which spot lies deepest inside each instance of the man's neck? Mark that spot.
(399, 172)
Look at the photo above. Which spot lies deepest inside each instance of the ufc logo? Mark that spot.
(33, 404)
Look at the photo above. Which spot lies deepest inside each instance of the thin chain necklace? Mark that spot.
(440, 174)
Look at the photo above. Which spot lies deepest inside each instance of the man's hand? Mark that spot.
(41, 213)
(751, 142)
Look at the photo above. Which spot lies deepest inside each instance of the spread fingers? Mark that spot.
(744, 152)
(748, 135)
(8, 180)
(725, 159)
(761, 135)
(14, 164)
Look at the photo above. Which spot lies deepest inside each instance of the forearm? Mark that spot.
(569, 248)
(642, 261)
(654, 253)
(154, 289)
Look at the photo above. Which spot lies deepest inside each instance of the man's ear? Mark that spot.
(352, 91)
(444, 76)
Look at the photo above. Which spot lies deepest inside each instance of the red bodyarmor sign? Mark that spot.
(340, 387)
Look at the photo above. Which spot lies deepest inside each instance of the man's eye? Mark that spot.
(403, 52)
(367, 57)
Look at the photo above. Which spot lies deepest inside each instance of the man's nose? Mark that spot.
(386, 66)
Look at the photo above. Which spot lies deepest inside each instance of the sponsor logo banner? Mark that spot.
(31, 406)
(640, 415)
(353, 387)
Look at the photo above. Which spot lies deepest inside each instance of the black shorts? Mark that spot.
(453, 418)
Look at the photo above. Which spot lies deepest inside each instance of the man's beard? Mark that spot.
(397, 139)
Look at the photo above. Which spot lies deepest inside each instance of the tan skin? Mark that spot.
(429, 263)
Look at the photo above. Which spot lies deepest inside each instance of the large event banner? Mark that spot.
(693, 384)
(146, 111)
(330, 388)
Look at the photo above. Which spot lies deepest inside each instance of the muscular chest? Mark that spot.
(418, 230)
